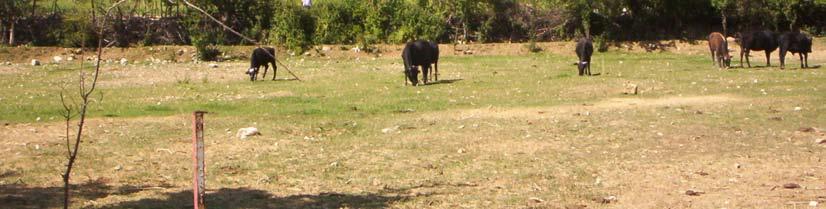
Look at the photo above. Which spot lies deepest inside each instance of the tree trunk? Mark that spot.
(725, 22)
(34, 5)
(11, 33)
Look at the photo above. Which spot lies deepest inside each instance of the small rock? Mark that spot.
(820, 141)
(536, 199)
(245, 133)
(124, 61)
(70, 58)
(807, 129)
(57, 59)
(460, 151)
(35, 62)
(631, 89)
(813, 204)
(181, 52)
(798, 108)
(326, 48)
(791, 186)
(118, 168)
(691, 192)
(213, 65)
(390, 130)
(609, 199)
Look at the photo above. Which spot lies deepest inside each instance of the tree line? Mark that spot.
(366, 22)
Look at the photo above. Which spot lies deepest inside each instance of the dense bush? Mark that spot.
(366, 22)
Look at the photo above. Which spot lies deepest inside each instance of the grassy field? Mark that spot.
(501, 130)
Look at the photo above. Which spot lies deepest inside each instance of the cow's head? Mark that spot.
(581, 67)
(412, 74)
(252, 72)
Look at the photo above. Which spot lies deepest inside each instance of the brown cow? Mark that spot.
(718, 46)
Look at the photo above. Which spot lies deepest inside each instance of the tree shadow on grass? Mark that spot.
(255, 198)
(23, 196)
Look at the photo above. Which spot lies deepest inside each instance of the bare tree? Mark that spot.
(80, 109)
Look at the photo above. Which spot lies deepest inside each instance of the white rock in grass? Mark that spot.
(213, 65)
(245, 133)
(35, 63)
(390, 129)
(124, 61)
(57, 59)
(798, 108)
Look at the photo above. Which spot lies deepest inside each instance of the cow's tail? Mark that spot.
(406, 58)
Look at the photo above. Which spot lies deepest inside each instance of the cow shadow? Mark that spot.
(448, 81)
(18, 195)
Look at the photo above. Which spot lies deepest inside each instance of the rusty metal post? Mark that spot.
(198, 160)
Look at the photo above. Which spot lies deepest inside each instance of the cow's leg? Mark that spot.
(589, 68)
(801, 61)
(748, 62)
(742, 53)
(768, 58)
(713, 58)
(782, 59)
(266, 67)
(425, 71)
(807, 59)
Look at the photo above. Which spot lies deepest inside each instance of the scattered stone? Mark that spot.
(820, 141)
(213, 65)
(118, 168)
(791, 186)
(35, 62)
(245, 133)
(57, 59)
(408, 110)
(536, 199)
(181, 52)
(737, 165)
(807, 129)
(461, 151)
(608, 199)
(124, 61)
(813, 204)
(631, 89)
(326, 48)
(798, 109)
(393, 129)
(691, 192)
(70, 58)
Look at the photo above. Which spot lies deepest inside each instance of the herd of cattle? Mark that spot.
(768, 41)
(424, 53)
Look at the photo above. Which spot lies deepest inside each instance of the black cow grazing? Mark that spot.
(584, 50)
(420, 53)
(718, 46)
(795, 42)
(757, 41)
(262, 57)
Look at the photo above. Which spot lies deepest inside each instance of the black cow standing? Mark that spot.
(262, 57)
(795, 42)
(757, 41)
(420, 53)
(584, 50)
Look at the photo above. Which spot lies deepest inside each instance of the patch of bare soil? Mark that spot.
(606, 105)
